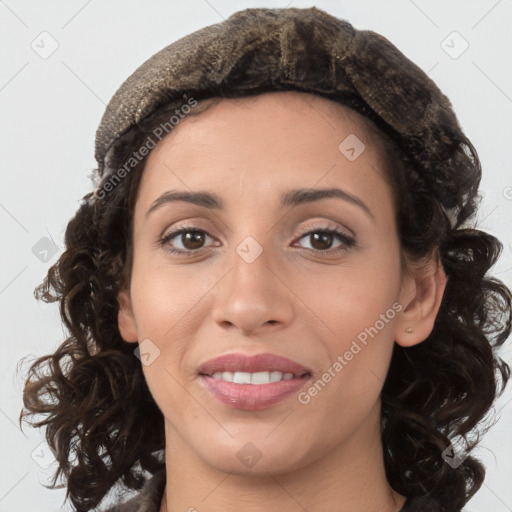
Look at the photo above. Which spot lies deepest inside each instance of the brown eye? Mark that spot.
(191, 240)
(321, 240)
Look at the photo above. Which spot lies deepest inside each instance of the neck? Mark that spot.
(350, 477)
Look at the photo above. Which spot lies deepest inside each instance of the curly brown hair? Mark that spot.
(94, 394)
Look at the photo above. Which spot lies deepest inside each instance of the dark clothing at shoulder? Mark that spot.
(422, 504)
(148, 499)
(150, 496)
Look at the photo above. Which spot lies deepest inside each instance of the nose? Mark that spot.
(253, 296)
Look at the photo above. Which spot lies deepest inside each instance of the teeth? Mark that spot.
(252, 378)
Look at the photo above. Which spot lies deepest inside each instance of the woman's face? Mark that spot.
(253, 280)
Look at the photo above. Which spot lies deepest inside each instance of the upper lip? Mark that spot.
(236, 362)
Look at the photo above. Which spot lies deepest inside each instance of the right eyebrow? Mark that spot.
(206, 199)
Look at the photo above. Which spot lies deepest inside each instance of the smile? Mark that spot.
(252, 378)
(253, 382)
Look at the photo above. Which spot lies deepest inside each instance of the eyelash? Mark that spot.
(347, 240)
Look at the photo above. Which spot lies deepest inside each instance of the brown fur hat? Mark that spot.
(309, 50)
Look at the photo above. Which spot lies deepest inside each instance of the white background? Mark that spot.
(50, 109)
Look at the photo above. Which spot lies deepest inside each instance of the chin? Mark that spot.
(254, 455)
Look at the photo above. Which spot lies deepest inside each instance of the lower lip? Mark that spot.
(252, 397)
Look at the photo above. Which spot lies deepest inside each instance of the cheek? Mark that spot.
(353, 296)
(356, 308)
(165, 298)
(165, 313)
(166, 302)
(348, 386)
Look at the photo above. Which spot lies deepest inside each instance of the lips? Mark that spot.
(250, 395)
(253, 364)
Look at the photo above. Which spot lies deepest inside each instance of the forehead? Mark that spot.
(280, 108)
(266, 142)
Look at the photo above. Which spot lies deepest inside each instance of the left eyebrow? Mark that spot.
(289, 198)
(307, 195)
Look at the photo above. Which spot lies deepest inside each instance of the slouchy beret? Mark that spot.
(261, 49)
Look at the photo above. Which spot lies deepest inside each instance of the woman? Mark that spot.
(275, 296)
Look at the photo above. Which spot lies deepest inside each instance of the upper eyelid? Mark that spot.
(328, 223)
(301, 232)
